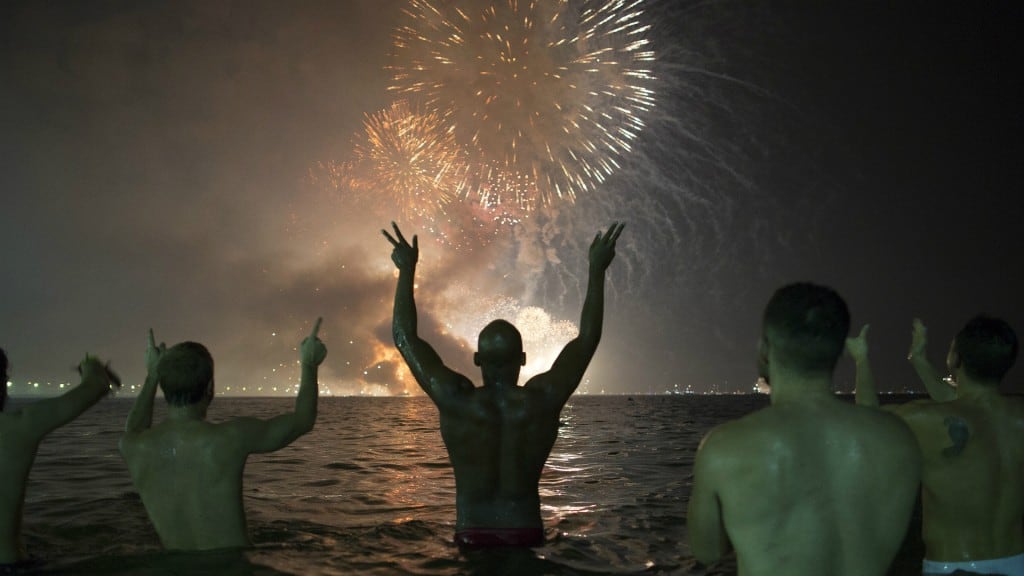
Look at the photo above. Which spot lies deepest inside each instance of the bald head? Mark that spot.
(500, 343)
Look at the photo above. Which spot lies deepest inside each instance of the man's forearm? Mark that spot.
(865, 392)
(141, 416)
(937, 388)
(306, 400)
(592, 317)
(404, 321)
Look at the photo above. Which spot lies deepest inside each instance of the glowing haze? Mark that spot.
(220, 171)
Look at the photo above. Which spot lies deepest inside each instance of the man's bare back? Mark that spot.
(973, 485)
(499, 435)
(498, 443)
(189, 475)
(188, 471)
(807, 489)
(810, 485)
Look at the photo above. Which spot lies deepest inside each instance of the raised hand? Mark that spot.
(602, 249)
(312, 351)
(857, 347)
(92, 367)
(153, 354)
(404, 255)
(918, 340)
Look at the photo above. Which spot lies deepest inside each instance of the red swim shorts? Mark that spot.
(498, 537)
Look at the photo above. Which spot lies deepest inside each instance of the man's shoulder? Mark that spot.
(885, 427)
(739, 434)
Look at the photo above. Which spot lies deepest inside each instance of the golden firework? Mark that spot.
(544, 96)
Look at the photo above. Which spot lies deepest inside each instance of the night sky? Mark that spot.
(156, 163)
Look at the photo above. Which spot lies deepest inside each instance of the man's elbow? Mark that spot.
(303, 423)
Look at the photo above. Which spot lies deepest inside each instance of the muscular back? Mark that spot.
(973, 484)
(820, 489)
(498, 441)
(189, 475)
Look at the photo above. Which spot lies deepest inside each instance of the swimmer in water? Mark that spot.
(500, 434)
(810, 485)
(189, 471)
(972, 492)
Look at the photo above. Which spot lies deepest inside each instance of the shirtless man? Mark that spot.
(810, 485)
(189, 471)
(499, 435)
(20, 434)
(972, 493)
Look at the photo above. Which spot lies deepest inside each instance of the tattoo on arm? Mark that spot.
(958, 432)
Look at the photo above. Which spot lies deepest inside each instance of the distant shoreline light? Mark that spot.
(33, 389)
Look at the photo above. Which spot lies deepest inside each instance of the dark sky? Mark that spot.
(155, 163)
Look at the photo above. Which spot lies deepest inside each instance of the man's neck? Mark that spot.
(189, 412)
(801, 389)
(973, 389)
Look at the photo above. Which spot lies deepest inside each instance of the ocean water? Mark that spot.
(370, 491)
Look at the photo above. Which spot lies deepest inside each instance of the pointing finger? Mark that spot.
(316, 326)
(415, 242)
(152, 341)
(864, 331)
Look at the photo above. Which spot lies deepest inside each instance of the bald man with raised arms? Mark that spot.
(498, 435)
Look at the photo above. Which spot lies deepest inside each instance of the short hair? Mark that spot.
(500, 341)
(987, 347)
(3, 378)
(185, 372)
(807, 326)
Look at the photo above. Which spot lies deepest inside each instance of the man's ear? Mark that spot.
(522, 360)
(954, 360)
(476, 358)
(763, 350)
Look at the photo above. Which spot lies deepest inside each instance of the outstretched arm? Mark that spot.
(44, 416)
(937, 388)
(260, 436)
(436, 379)
(141, 416)
(857, 348)
(567, 371)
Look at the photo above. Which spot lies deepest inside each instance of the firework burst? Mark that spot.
(544, 96)
(408, 159)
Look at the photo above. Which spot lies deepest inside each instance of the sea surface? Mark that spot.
(370, 491)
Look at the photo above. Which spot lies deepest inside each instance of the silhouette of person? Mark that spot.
(972, 493)
(22, 430)
(189, 471)
(499, 435)
(810, 485)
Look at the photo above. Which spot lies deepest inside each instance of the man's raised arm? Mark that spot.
(44, 416)
(937, 388)
(436, 379)
(864, 391)
(141, 416)
(567, 371)
(260, 436)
